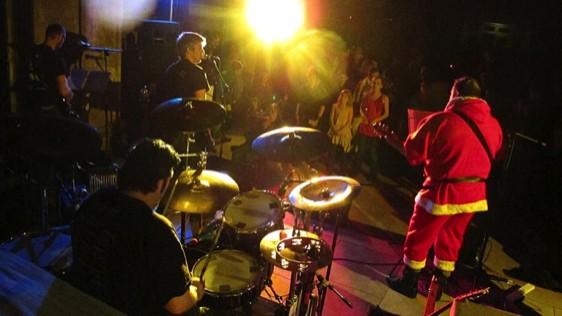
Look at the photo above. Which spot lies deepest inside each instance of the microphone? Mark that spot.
(84, 44)
(212, 57)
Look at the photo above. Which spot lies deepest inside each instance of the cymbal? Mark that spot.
(303, 252)
(188, 115)
(62, 138)
(323, 194)
(204, 193)
(291, 144)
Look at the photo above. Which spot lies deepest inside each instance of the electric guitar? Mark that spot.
(383, 131)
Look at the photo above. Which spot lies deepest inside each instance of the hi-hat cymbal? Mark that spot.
(204, 193)
(303, 252)
(291, 144)
(324, 193)
(188, 115)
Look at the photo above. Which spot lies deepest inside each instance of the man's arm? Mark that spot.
(63, 87)
(181, 304)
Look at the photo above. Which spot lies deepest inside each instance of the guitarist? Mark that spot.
(457, 162)
(50, 89)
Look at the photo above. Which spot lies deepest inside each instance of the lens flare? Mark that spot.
(275, 20)
(119, 13)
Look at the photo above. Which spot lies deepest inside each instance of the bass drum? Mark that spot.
(233, 279)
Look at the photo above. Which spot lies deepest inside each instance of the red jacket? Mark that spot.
(448, 149)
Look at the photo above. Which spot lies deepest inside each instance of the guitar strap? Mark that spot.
(478, 133)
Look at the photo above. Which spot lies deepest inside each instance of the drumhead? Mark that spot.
(249, 211)
(229, 271)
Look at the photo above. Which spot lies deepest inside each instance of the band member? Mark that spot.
(125, 253)
(186, 78)
(456, 164)
(50, 91)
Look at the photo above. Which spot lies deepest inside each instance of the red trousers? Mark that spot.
(444, 232)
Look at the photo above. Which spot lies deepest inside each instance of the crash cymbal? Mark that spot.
(203, 193)
(188, 115)
(62, 138)
(303, 252)
(291, 144)
(323, 194)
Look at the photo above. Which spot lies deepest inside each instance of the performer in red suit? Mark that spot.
(456, 165)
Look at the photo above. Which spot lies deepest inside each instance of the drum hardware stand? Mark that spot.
(339, 214)
(323, 284)
(213, 246)
(269, 284)
(201, 166)
(293, 177)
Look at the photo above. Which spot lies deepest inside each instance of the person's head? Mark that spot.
(148, 167)
(345, 98)
(466, 87)
(191, 46)
(378, 84)
(374, 73)
(55, 34)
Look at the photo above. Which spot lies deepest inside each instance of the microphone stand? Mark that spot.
(323, 284)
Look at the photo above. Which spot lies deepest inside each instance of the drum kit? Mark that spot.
(249, 237)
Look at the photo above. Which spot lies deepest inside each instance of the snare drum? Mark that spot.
(232, 279)
(250, 216)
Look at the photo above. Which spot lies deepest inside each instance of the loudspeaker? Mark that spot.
(157, 45)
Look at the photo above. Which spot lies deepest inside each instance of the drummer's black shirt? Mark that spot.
(127, 255)
(47, 66)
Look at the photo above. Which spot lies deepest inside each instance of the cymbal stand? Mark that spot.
(303, 288)
(322, 285)
(202, 164)
(339, 214)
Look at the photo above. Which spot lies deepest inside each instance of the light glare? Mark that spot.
(275, 20)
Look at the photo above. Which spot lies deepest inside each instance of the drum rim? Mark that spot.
(256, 229)
(237, 292)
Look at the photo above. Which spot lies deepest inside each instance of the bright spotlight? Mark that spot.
(275, 20)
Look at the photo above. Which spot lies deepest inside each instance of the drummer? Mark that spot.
(124, 253)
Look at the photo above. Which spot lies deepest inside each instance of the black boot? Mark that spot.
(408, 284)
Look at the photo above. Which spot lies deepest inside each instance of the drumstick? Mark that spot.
(215, 242)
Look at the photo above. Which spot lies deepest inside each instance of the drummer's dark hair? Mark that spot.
(148, 161)
(188, 39)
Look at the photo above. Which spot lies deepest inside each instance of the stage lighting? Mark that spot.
(275, 20)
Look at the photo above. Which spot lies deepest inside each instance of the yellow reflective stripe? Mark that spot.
(451, 209)
(416, 265)
(444, 265)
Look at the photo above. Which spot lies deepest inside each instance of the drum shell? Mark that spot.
(238, 297)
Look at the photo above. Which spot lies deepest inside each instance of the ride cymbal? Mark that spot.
(291, 144)
(188, 115)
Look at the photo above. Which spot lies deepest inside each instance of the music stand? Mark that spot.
(90, 81)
